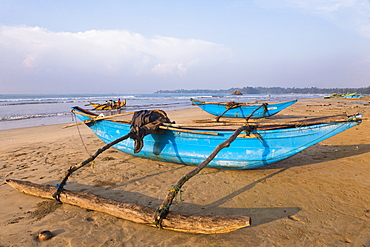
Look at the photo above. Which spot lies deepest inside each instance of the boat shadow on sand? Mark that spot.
(320, 153)
(316, 154)
(258, 215)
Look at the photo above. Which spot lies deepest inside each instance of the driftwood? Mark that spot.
(162, 211)
(205, 224)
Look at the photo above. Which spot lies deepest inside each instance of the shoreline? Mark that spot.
(42, 112)
(319, 197)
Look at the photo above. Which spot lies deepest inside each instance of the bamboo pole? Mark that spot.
(199, 102)
(188, 131)
(239, 105)
(265, 109)
(107, 117)
(320, 120)
(227, 109)
(60, 187)
(163, 210)
(261, 125)
(173, 127)
(95, 118)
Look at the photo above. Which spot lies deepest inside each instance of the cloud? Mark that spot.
(348, 14)
(108, 52)
(325, 5)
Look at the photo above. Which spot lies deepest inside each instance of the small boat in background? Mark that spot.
(356, 96)
(347, 96)
(242, 110)
(109, 105)
(264, 144)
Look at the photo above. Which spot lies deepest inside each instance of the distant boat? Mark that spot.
(242, 110)
(356, 96)
(108, 106)
(338, 95)
(263, 145)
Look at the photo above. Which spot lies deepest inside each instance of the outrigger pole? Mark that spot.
(163, 210)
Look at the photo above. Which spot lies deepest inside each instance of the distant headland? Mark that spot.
(271, 90)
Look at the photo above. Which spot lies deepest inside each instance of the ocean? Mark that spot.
(27, 110)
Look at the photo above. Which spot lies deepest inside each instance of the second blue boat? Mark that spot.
(242, 110)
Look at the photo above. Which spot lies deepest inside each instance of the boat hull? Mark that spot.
(108, 107)
(261, 148)
(243, 111)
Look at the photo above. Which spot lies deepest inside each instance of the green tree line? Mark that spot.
(273, 90)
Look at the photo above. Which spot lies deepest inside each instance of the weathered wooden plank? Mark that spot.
(191, 223)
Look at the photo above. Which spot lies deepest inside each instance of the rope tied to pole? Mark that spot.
(232, 105)
(264, 105)
(177, 190)
(79, 134)
(59, 185)
(163, 210)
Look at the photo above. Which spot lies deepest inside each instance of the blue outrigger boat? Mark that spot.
(263, 145)
(242, 110)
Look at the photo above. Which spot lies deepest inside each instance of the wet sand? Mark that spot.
(319, 197)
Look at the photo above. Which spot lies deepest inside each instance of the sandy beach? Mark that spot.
(319, 197)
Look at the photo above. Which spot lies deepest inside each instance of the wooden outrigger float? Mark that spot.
(205, 224)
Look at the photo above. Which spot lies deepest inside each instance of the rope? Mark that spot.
(79, 133)
(59, 185)
(83, 144)
(232, 105)
(177, 190)
(164, 210)
(264, 105)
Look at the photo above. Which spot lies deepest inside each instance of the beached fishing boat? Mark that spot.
(242, 110)
(263, 145)
(108, 106)
(356, 96)
(338, 95)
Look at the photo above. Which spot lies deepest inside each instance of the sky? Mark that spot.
(142, 46)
